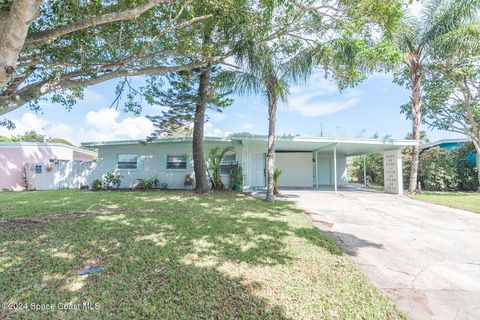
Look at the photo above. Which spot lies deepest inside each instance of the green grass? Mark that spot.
(175, 255)
(461, 200)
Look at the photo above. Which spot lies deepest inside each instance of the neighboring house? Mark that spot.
(21, 159)
(449, 144)
(306, 162)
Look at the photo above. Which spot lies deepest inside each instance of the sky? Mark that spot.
(313, 109)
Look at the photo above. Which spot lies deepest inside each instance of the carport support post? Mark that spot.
(335, 167)
(365, 171)
(316, 169)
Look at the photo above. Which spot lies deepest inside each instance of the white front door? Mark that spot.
(257, 169)
(323, 171)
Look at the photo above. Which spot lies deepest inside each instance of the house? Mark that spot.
(306, 162)
(21, 159)
(449, 144)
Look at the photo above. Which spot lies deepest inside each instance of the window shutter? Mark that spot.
(140, 162)
(162, 161)
(189, 161)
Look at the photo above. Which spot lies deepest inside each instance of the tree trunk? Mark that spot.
(272, 110)
(199, 166)
(416, 99)
(14, 30)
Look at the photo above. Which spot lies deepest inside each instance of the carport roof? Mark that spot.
(345, 146)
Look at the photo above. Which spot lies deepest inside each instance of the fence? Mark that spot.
(58, 175)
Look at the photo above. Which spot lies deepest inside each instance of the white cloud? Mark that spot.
(246, 126)
(104, 125)
(312, 99)
(211, 131)
(217, 117)
(30, 121)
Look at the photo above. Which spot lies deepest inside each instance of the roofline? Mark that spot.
(40, 144)
(442, 141)
(258, 138)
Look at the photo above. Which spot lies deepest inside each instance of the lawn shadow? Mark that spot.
(155, 263)
(350, 243)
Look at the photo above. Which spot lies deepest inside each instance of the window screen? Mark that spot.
(178, 161)
(227, 162)
(127, 161)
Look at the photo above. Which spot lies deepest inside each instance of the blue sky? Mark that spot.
(373, 106)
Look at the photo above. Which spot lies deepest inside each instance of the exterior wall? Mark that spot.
(151, 162)
(14, 158)
(392, 167)
(296, 169)
(60, 175)
(342, 176)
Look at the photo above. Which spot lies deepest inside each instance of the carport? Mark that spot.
(316, 162)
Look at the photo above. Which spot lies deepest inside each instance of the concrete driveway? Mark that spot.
(425, 257)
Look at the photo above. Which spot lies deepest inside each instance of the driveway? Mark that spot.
(425, 257)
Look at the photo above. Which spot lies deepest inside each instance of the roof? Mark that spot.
(445, 141)
(39, 144)
(346, 146)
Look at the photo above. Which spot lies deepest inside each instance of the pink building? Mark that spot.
(15, 155)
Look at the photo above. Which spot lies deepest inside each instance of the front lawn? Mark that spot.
(461, 200)
(173, 255)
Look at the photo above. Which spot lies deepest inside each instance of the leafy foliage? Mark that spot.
(98, 185)
(236, 176)
(181, 99)
(276, 177)
(437, 170)
(112, 180)
(147, 184)
(215, 158)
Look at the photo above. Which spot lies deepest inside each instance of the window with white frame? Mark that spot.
(38, 168)
(176, 161)
(127, 161)
(227, 162)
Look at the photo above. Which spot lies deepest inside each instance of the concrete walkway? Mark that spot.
(425, 257)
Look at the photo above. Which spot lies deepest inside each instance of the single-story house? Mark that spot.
(306, 162)
(449, 144)
(16, 156)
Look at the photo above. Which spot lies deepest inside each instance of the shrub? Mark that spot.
(215, 158)
(112, 180)
(97, 185)
(276, 176)
(236, 177)
(147, 184)
(437, 170)
(464, 158)
(374, 168)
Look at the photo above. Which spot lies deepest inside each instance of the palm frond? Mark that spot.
(442, 17)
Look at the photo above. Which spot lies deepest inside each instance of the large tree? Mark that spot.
(420, 40)
(179, 96)
(265, 73)
(58, 47)
(452, 98)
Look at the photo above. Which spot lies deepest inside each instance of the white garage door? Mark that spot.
(297, 169)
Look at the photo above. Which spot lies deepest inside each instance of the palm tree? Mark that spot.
(420, 40)
(264, 72)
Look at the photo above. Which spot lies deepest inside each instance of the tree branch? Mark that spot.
(44, 36)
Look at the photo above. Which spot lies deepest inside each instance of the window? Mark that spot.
(178, 161)
(227, 162)
(127, 161)
(38, 168)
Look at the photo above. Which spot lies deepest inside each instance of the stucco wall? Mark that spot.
(151, 158)
(13, 158)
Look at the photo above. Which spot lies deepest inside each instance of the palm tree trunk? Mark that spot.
(272, 110)
(201, 181)
(415, 81)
